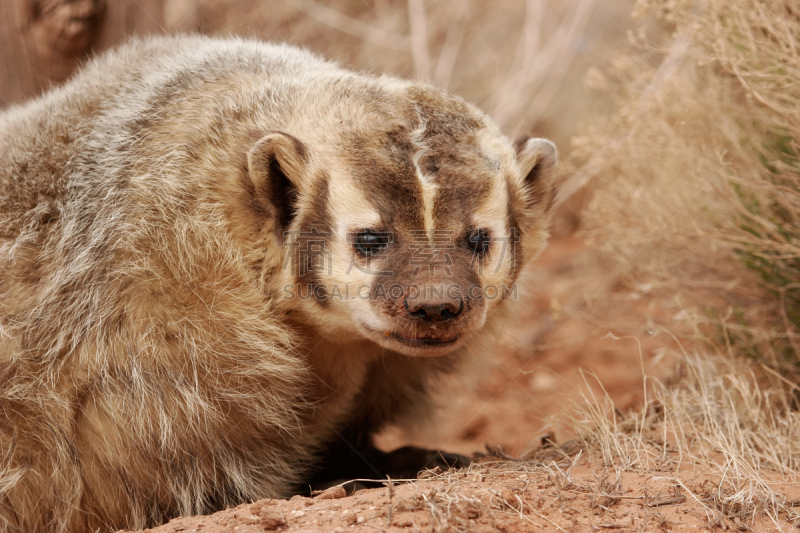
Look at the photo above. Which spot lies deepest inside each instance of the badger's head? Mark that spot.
(404, 223)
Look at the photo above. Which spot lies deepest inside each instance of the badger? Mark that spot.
(225, 264)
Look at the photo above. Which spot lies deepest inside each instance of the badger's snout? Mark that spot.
(433, 308)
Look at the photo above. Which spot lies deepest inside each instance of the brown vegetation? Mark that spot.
(699, 201)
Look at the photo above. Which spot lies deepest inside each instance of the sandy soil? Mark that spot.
(573, 496)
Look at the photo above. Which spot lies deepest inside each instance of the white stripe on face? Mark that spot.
(426, 183)
(429, 189)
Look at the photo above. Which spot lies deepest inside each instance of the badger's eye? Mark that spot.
(370, 242)
(478, 241)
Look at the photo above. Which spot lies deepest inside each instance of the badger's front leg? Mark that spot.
(396, 387)
(343, 461)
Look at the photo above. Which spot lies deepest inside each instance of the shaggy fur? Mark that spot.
(156, 211)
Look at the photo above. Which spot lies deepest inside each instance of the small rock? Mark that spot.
(270, 520)
(305, 502)
(332, 493)
(411, 504)
(510, 498)
(350, 518)
(250, 519)
(360, 520)
(543, 382)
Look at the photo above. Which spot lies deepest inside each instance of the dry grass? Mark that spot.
(715, 419)
(700, 189)
(697, 195)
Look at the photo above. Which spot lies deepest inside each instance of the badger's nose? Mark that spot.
(434, 311)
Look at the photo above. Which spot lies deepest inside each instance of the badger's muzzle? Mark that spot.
(434, 309)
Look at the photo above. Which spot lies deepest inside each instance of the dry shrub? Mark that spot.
(698, 196)
(698, 183)
(714, 418)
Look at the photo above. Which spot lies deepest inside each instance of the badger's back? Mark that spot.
(135, 343)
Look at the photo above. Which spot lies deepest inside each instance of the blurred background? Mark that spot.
(676, 228)
(522, 61)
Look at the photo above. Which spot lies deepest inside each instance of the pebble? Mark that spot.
(510, 498)
(332, 494)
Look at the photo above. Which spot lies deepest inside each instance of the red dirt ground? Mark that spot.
(576, 498)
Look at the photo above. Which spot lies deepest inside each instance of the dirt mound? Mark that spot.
(514, 497)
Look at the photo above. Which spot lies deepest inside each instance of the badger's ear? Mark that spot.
(537, 158)
(277, 164)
